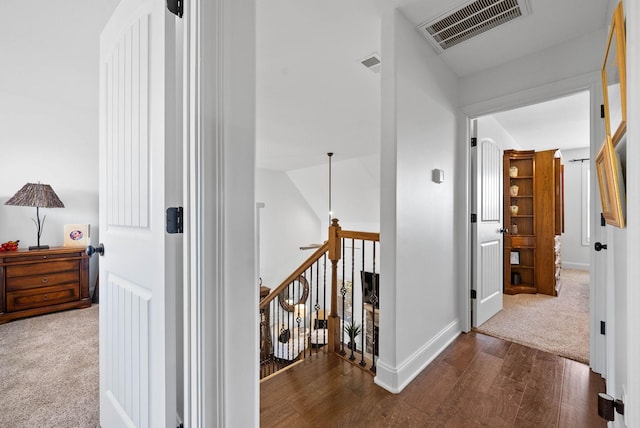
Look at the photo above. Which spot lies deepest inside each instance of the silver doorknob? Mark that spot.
(99, 249)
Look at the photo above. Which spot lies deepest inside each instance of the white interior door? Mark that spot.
(137, 302)
(487, 241)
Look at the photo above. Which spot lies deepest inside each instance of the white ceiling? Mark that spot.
(313, 95)
(558, 124)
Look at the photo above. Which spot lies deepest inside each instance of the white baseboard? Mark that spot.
(395, 379)
(577, 266)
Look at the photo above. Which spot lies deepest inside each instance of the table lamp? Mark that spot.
(39, 196)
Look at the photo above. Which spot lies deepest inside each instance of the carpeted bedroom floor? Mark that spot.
(559, 325)
(50, 380)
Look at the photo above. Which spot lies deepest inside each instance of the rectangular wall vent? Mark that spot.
(372, 62)
(470, 20)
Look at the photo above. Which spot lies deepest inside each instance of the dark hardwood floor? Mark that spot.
(477, 381)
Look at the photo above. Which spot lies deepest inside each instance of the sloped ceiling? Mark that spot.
(314, 96)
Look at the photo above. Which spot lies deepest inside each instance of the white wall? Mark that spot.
(418, 301)
(287, 222)
(575, 255)
(572, 58)
(49, 113)
(489, 127)
(355, 192)
(632, 378)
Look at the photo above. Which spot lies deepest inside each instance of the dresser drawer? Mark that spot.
(45, 280)
(42, 268)
(38, 257)
(38, 297)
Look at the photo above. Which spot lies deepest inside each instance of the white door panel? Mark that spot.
(136, 337)
(487, 240)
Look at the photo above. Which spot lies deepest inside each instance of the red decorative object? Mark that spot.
(9, 246)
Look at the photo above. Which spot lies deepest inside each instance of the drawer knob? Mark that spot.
(45, 280)
(45, 297)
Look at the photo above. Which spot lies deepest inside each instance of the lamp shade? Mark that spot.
(40, 196)
(36, 195)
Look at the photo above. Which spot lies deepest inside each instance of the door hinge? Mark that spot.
(602, 111)
(474, 141)
(474, 218)
(473, 294)
(176, 7)
(603, 222)
(603, 328)
(174, 220)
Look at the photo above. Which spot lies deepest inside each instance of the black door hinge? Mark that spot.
(603, 222)
(473, 294)
(474, 218)
(176, 7)
(174, 220)
(474, 142)
(602, 111)
(603, 328)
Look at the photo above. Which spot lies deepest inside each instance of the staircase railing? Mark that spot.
(310, 312)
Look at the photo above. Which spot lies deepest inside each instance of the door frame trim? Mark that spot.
(585, 82)
(221, 378)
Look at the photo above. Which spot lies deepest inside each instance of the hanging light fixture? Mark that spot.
(330, 211)
(314, 246)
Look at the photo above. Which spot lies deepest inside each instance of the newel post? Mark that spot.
(335, 254)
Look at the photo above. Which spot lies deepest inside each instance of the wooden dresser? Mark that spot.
(43, 281)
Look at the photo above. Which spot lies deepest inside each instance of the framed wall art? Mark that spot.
(614, 78)
(612, 189)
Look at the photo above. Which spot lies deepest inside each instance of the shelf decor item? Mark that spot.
(514, 210)
(513, 171)
(513, 190)
(614, 78)
(40, 196)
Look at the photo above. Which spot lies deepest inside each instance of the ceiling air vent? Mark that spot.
(470, 20)
(372, 62)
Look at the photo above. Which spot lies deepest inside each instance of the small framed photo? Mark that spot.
(515, 257)
(76, 235)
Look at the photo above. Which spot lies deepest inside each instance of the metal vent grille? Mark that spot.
(372, 62)
(471, 20)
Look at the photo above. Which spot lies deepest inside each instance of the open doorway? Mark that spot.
(556, 324)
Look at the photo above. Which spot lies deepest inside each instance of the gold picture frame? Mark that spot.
(612, 189)
(614, 78)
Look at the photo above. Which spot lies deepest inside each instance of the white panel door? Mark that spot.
(487, 240)
(137, 315)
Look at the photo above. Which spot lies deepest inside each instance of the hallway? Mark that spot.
(477, 381)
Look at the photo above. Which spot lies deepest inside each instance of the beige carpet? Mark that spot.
(559, 325)
(49, 371)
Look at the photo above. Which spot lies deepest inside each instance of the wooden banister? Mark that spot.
(330, 335)
(296, 273)
(364, 236)
(335, 253)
